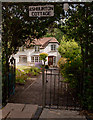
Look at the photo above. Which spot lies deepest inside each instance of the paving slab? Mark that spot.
(30, 108)
(18, 115)
(61, 114)
(11, 107)
(13, 110)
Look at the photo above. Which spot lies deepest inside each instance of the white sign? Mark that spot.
(41, 11)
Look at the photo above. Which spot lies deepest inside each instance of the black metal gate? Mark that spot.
(8, 81)
(56, 92)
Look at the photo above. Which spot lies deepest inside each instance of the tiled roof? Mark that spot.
(43, 42)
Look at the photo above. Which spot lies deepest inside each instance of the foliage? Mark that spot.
(25, 72)
(43, 57)
(71, 71)
(29, 71)
(20, 76)
(61, 62)
(80, 29)
(69, 49)
(53, 31)
(70, 63)
(35, 70)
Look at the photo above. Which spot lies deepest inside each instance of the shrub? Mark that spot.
(61, 62)
(34, 70)
(72, 71)
(43, 57)
(20, 76)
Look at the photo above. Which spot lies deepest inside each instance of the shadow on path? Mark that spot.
(31, 93)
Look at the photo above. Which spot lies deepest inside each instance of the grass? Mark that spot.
(23, 67)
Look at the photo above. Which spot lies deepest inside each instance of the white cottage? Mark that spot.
(30, 55)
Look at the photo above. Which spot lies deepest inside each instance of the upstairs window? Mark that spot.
(53, 47)
(36, 48)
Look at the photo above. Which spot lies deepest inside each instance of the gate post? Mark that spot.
(43, 88)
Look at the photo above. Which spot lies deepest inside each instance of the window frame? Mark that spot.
(37, 48)
(35, 59)
(54, 60)
(32, 60)
(53, 47)
(21, 59)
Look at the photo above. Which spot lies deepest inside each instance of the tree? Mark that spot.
(17, 26)
(80, 29)
(53, 31)
(43, 57)
(69, 49)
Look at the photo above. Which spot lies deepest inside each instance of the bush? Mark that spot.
(35, 70)
(71, 71)
(61, 62)
(20, 76)
(43, 57)
(23, 74)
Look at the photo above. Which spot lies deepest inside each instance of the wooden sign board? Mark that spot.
(41, 11)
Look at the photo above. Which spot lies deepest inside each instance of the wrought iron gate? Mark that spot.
(8, 87)
(56, 92)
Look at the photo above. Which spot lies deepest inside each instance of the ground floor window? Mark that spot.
(54, 60)
(23, 59)
(32, 59)
(35, 59)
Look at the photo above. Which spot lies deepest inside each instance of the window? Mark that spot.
(35, 59)
(40, 60)
(32, 59)
(23, 59)
(53, 47)
(36, 48)
(54, 60)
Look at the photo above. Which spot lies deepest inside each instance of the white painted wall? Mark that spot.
(31, 52)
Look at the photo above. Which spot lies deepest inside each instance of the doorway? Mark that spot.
(50, 60)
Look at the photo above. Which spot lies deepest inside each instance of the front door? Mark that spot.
(50, 60)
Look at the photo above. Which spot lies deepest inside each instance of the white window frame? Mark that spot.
(32, 60)
(53, 47)
(35, 60)
(37, 48)
(54, 60)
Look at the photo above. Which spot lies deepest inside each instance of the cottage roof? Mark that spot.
(43, 42)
